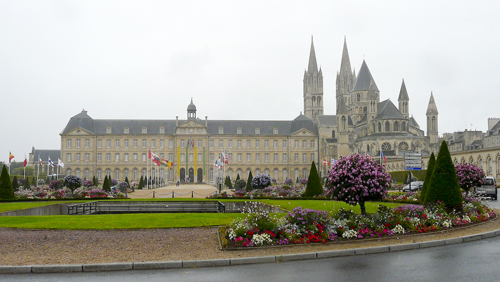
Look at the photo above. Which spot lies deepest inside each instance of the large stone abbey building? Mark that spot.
(283, 149)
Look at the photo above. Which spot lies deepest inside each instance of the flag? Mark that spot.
(149, 154)
(226, 157)
(51, 163)
(367, 156)
(11, 156)
(382, 156)
(25, 161)
(60, 163)
(325, 162)
(41, 162)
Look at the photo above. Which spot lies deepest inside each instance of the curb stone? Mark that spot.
(12, 269)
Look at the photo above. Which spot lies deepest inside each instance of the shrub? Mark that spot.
(425, 188)
(288, 181)
(356, 179)
(6, 190)
(27, 184)
(56, 184)
(314, 187)
(261, 181)
(444, 186)
(15, 184)
(88, 183)
(105, 185)
(240, 185)
(249, 182)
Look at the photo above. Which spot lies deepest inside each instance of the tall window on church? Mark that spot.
(379, 127)
(314, 101)
(403, 126)
(434, 124)
(358, 97)
(333, 133)
(396, 126)
(387, 126)
(343, 123)
(319, 101)
(373, 124)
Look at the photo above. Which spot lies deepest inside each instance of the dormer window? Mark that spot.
(108, 129)
(144, 129)
(221, 130)
(238, 131)
(275, 130)
(126, 130)
(183, 130)
(257, 130)
(162, 129)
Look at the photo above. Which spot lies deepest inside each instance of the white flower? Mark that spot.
(398, 229)
(259, 240)
(349, 234)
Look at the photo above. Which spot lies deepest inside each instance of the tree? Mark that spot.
(237, 177)
(314, 187)
(6, 190)
(141, 183)
(249, 182)
(72, 182)
(33, 181)
(95, 180)
(469, 176)
(356, 179)
(240, 185)
(430, 169)
(15, 185)
(444, 186)
(27, 184)
(126, 180)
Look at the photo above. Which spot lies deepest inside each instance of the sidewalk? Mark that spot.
(181, 191)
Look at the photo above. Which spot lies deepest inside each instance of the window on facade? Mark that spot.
(221, 143)
(77, 157)
(99, 157)
(108, 129)
(144, 143)
(125, 157)
(275, 130)
(117, 143)
(266, 144)
(304, 173)
(275, 143)
(143, 157)
(125, 173)
(108, 143)
(87, 157)
(257, 158)
(221, 130)
(285, 158)
(312, 144)
(135, 174)
(162, 130)
(170, 157)
(108, 157)
(191, 157)
(284, 144)
(257, 130)
(230, 143)
(239, 157)
(276, 158)
(230, 157)
(249, 143)
(304, 158)
(144, 130)
(276, 174)
(134, 157)
(312, 157)
(68, 143)
(153, 143)
(77, 143)
(87, 174)
(238, 130)
(183, 157)
(117, 174)
(249, 158)
(266, 156)
(387, 126)
(211, 143)
(266, 171)
(162, 143)
(200, 143)
(296, 144)
(99, 174)
(296, 158)
(125, 143)
(135, 143)
(304, 144)
(239, 144)
(396, 126)
(212, 157)
(257, 144)
(99, 143)
(126, 130)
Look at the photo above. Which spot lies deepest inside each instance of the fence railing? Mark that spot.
(83, 208)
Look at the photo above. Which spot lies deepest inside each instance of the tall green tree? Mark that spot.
(126, 180)
(430, 169)
(249, 182)
(141, 183)
(6, 190)
(106, 186)
(15, 185)
(444, 186)
(314, 187)
(237, 177)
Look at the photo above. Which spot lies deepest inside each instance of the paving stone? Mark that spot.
(404, 247)
(429, 244)
(373, 250)
(291, 257)
(338, 253)
(4, 269)
(454, 241)
(203, 263)
(472, 238)
(107, 266)
(55, 268)
(252, 260)
(157, 264)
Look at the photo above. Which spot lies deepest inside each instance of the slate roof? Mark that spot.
(413, 122)
(45, 154)
(387, 110)
(403, 94)
(99, 126)
(364, 79)
(329, 120)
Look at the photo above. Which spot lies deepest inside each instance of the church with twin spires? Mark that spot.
(282, 149)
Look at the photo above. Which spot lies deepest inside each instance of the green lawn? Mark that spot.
(154, 220)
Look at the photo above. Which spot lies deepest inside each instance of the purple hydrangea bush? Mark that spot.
(469, 176)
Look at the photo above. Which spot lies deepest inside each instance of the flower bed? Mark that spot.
(44, 193)
(304, 226)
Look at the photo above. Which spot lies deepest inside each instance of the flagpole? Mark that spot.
(147, 170)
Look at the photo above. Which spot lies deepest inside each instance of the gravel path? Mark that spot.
(30, 247)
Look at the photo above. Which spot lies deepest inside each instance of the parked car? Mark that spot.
(489, 188)
(415, 186)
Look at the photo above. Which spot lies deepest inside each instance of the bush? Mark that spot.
(356, 179)
(56, 184)
(105, 185)
(444, 187)
(425, 188)
(240, 185)
(88, 183)
(249, 182)
(6, 190)
(15, 184)
(261, 181)
(469, 176)
(72, 182)
(314, 187)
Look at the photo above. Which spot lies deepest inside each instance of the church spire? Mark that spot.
(345, 64)
(345, 78)
(403, 94)
(432, 108)
(313, 65)
(404, 101)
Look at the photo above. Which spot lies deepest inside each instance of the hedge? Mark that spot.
(399, 176)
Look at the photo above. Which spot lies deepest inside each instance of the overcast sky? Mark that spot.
(236, 59)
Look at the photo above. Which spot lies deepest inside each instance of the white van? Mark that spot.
(489, 188)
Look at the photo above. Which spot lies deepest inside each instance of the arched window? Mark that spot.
(386, 146)
(387, 126)
(379, 127)
(373, 127)
(403, 146)
(344, 125)
(403, 126)
(319, 102)
(396, 126)
(333, 133)
(358, 97)
(314, 101)
(276, 174)
(434, 124)
(285, 174)
(490, 167)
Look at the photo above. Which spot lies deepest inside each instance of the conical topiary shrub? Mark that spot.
(6, 191)
(444, 187)
(15, 185)
(249, 182)
(106, 186)
(425, 188)
(314, 187)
